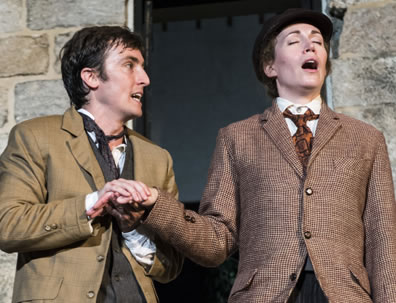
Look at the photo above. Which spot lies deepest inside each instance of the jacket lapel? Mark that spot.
(80, 146)
(328, 125)
(275, 125)
(141, 159)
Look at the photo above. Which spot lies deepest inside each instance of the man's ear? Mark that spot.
(90, 77)
(270, 71)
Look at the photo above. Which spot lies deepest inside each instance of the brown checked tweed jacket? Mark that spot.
(257, 200)
(46, 171)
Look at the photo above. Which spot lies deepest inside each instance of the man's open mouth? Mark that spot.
(137, 96)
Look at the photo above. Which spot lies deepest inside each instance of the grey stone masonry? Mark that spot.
(10, 15)
(3, 144)
(369, 32)
(23, 55)
(382, 116)
(47, 14)
(3, 105)
(60, 41)
(7, 274)
(40, 98)
(363, 81)
(364, 65)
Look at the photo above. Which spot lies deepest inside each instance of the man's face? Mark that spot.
(120, 94)
(300, 61)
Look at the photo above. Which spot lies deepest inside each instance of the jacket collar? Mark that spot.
(275, 125)
(82, 150)
(80, 147)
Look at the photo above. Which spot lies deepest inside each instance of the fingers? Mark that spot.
(150, 201)
(97, 209)
(124, 192)
(130, 190)
(127, 217)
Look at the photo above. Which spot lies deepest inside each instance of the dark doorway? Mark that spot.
(202, 79)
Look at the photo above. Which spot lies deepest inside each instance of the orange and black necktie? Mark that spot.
(303, 137)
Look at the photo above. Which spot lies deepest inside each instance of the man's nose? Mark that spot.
(143, 78)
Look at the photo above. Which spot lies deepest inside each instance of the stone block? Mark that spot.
(3, 144)
(383, 118)
(369, 32)
(346, 3)
(3, 105)
(60, 41)
(7, 274)
(23, 55)
(47, 14)
(10, 15)
(361, 82)
(40, 98)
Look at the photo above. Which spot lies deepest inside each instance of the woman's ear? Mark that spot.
(90, 77)
(270, 71)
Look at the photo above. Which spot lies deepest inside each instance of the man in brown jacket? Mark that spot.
(304, 193)
(55, 168)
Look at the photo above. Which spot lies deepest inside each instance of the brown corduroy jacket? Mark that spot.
(258, 200)
(46, 171)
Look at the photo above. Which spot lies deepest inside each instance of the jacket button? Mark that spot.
(54, 226)
(117, 278)
(293, 277)
(309, 191)
(47, 228)
(90, 294)
(192, 220)
(100, 258)
(307, 235)
(187, 218)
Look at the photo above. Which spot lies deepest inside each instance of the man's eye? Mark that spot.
(317, 42)
(129, 65)
(292, 42)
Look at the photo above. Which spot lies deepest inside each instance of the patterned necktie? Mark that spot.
(103, 143)
(303, 137)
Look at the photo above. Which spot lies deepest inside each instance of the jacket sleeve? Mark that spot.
(380, 228)
(168, 262)
(27, 221)
(209, 238)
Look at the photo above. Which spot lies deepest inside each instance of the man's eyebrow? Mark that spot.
(132, 58)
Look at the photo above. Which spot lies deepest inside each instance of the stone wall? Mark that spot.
(31, 35)
(364, 64)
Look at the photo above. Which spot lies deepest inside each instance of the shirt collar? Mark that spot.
(121, 147)
(85, 112)
(314, 105)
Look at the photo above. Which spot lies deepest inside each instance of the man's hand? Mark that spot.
(147, 203)
(129, 190)
(127, 215)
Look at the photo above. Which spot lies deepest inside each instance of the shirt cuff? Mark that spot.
(90, 201)
(141, 247)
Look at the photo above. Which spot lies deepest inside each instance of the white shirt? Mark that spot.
(141, 247)
(299, 109)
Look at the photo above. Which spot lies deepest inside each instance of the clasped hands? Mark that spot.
(125, 200)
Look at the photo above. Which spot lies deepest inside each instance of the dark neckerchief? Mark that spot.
(103, 143)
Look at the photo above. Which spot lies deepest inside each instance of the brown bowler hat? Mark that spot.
(276, 24)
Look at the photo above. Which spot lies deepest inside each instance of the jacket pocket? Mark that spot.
(36, 288)
(359, 275)
(243, 281)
